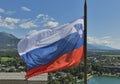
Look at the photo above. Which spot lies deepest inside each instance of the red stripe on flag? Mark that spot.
(67, 60)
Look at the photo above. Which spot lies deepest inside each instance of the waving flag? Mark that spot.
(53, 49)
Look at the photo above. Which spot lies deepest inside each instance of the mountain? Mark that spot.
(8, 41)
(99, 47)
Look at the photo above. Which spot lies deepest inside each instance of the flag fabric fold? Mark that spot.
(53, 49)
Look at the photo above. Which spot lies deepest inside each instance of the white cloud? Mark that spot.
(115, 43)
(46, 20)
(10, 12)
(31, 32)
(11, 20)
(106, 40)
(2, 10)
(27, 25)
(12, 23)
(51, 24)
(8, 22)
(52, 18)
(0, 18)
(6, 25)
(41, 20)
(7, 12)
(25, 9)
(40, 15)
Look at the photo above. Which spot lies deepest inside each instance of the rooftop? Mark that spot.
(21, 76)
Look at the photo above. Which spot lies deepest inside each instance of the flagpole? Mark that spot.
(85, 42)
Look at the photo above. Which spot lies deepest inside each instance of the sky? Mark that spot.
(20, 17)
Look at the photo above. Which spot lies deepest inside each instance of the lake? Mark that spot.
(103, 80)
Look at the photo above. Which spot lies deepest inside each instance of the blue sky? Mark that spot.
(22, 16)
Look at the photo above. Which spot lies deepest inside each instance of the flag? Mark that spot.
(52, 49)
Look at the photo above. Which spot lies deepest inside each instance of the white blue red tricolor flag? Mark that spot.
(53, 49)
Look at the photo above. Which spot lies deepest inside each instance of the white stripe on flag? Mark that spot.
(46, 37)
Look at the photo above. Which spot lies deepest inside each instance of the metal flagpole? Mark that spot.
(85, 42)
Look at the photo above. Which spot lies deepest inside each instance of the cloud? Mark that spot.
(25, 9)
(51, 24)
(2, 10)
(11, 20)
(32, 32)
(115, 43)
(46, 20)
(106, 40)
(7, 12)
(10, 12)
(44, 17)
(12, 23)
(6, 25)
(40, 15)
(27, 25)
(40, 21)
(8, 22)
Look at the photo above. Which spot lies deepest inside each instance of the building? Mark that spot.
(113, 68)
(18, 78)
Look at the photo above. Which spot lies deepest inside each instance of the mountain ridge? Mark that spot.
(8, 41)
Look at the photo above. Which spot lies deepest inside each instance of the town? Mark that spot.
(99, 63)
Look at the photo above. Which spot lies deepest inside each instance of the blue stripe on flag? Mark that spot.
(44, 55)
